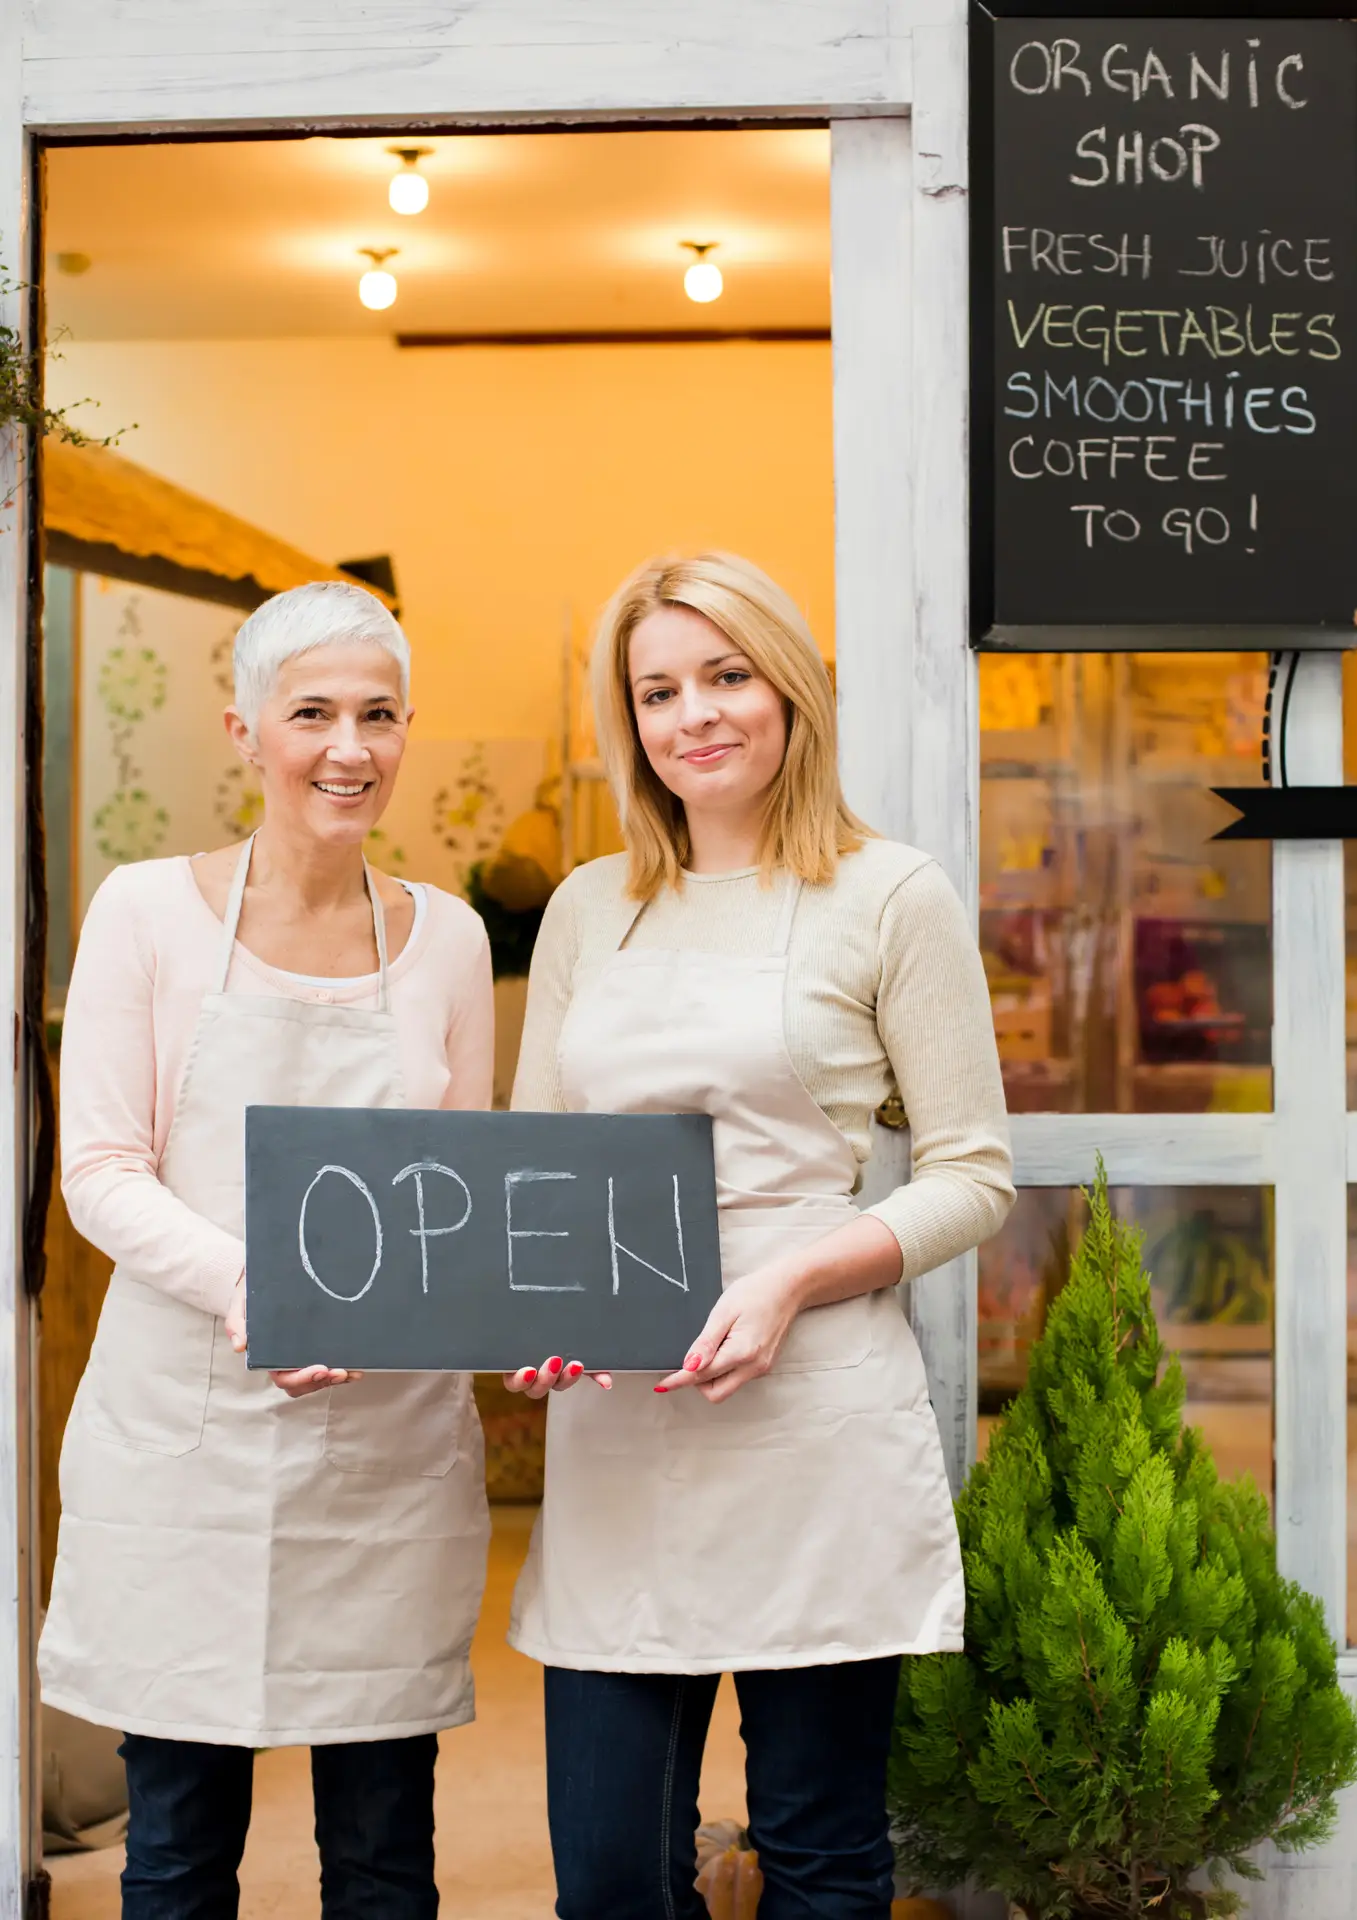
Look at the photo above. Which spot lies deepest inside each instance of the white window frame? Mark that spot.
(890, 78)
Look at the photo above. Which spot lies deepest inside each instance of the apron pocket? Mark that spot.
(149, 1370)
(411, 1425)
(839, 1335)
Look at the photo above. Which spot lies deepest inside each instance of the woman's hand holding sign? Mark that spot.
(294, 1381)
(553, 1376)
(747, 1327)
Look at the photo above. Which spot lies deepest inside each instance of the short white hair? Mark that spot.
(325, 613)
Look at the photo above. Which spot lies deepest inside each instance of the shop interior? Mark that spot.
(468, 371)
(486, 375)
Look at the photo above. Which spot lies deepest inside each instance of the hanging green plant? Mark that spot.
(22, 407)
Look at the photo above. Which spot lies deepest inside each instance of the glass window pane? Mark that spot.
(1209, 1251)
(1129, 958)
(1350, 864)
(1352, 1416)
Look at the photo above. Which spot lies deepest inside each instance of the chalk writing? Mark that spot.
(615, 1245)
(519, 1177)
(416, 1171)
(345, 1173)
(1174, 395)
(514, 1179)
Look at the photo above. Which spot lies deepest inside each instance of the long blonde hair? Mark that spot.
(807, 824)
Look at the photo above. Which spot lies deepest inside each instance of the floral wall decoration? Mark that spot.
(468, 813)
(155, 773)
(131, 684)
(237, 800)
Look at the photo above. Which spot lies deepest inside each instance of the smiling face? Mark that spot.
(713, 728)
(329, 741)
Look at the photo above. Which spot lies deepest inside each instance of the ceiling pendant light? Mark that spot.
(409, 190)
(377, 288)
(702, 282)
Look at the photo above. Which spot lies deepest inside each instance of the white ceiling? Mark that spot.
(523, 232)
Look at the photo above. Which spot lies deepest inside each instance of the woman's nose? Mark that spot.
(344, 744)
(696, 708)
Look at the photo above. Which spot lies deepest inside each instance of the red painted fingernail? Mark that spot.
(661, 1389)
(576, 1369)
(693, 1362)
(529, 1375)
(554, 1366)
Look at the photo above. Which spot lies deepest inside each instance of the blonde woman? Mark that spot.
(778, 1507)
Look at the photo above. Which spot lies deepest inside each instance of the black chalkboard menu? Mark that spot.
(1165, 331)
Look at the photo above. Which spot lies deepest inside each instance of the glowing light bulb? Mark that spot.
(408, 192)
(377, 288)
(703, 282)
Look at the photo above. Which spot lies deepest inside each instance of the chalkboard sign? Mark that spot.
(1165, 329)
(420, 1241)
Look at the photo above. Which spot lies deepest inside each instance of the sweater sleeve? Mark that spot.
(537, 1083)
(471, 1032)
(109, 1164)
(934, 1018)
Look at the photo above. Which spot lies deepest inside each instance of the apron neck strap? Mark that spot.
(236, 899)
(379, 933)
(782, 937)
(628, 913)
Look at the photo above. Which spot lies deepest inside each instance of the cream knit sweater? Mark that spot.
(885, 991)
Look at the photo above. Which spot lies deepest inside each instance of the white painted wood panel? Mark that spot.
(1144, 1149)
(1310, 1162)
(16, 1491)
(944, 771)
(877, 461)
(906, 676)
(870, 186)
(167, 63)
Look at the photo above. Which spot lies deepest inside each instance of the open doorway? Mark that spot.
(539, 407)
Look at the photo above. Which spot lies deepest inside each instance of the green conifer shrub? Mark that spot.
(1142, 1695)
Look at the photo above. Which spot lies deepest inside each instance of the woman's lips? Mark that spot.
(708, 756)
(344, 793)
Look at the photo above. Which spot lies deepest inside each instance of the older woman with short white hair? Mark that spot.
(249, 1561)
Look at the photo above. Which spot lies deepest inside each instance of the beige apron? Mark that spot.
(233, 1565)
(806, 1520)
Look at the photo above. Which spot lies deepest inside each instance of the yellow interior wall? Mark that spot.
(513, 487)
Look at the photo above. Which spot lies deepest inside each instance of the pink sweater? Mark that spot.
(147, 952)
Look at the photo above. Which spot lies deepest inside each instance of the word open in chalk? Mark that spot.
(417, 1240)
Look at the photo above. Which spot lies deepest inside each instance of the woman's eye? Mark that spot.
(656, 697)
(383, 714)
(308, 713)
(734, 677)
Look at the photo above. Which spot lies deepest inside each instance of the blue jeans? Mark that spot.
(189, 1811)
(624, 1755)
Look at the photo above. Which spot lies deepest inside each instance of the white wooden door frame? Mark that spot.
(890, 76)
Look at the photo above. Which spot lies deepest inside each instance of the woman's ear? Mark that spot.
(239, 735)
